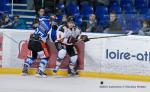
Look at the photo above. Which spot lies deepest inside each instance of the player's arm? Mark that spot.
(61, 34)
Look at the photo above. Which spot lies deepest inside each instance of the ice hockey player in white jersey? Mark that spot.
(67, 36)
(38, 48)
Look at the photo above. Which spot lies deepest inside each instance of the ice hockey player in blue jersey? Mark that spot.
(38, 48)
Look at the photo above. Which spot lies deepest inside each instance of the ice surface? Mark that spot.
(16, 83)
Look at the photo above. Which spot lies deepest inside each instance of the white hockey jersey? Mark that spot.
(63, 34)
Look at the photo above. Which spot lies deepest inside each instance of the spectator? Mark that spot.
(6, 22)
(91, 25)
(19, 23)
(84, 24)
(145, 30)
(114, 25)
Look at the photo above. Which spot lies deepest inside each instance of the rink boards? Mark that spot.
(125, 57)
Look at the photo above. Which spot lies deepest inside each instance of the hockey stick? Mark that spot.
(109, 36)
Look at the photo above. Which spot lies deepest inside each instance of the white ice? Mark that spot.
(17, 83)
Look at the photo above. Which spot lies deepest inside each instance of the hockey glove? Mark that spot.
(84, 38)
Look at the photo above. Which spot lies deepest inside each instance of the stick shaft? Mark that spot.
(108, 36)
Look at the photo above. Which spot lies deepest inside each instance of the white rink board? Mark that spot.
(123, 55)
(108, 55)
(11, 39)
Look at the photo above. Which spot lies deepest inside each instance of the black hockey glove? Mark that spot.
(85, 38)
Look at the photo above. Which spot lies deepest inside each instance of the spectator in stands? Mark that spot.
(91, 25)
(19, 23)
(6, 22)
(114, 26)
(145, 30)
(84, 24)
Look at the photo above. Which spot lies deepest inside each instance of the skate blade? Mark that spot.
(73, 75)
(40, 76)
(24, 74)
(54, 74)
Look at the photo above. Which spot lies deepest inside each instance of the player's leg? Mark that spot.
(28, 62)
(72, 52)
(72, 64)
(44, 57)
(42, 67)
(60, 56)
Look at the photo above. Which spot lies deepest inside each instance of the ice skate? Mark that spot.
(41, 74)
(25, 70)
